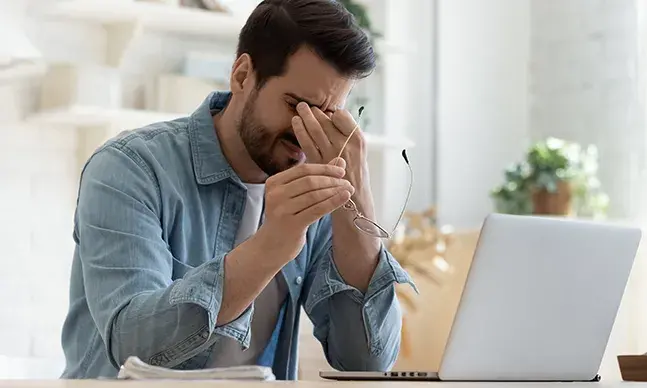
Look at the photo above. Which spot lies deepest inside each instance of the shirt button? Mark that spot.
(299, 280)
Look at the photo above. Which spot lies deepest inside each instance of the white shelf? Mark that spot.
(169, 19)
(148, 15)
(18, 71)
(86, 116)
(90, 116)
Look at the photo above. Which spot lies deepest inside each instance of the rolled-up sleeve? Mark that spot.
(127, 270)
(358, 331)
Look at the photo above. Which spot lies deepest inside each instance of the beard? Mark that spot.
(261, 142)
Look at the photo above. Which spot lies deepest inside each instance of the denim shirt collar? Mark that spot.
(209, 163)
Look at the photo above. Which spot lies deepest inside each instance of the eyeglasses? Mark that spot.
(362, 223)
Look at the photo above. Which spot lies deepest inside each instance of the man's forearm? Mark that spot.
(348, 345)
(155, 323)
(163, 326)
(248, 269)
(358, 335)
(355, 252)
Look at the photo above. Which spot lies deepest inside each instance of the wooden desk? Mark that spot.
(293, 384)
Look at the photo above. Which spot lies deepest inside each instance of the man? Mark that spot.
(200, 239)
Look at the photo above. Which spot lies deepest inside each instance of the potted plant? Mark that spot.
(513, 196)
(555, 178)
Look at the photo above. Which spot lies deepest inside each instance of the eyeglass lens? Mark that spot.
(369, 227)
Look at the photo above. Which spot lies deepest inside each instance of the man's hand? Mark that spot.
(299, 196)
(294, 199)
(322, 137)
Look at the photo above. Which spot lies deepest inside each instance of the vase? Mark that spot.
(557, 203)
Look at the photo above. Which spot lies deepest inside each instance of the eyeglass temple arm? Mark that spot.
(406, 201)
(361, 109)
(406, 160)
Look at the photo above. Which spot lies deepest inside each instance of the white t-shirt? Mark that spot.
(227, 351)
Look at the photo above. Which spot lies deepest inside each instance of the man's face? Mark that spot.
(265, 123)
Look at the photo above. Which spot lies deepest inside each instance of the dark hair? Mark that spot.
(276, 29)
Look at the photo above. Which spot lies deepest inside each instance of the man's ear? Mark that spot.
(242, 73)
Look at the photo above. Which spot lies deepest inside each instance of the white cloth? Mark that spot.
(227, 351)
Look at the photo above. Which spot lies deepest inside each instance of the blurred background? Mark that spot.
(514, 106)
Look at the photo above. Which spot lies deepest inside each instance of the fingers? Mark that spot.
(312, 183)
(320, 209)
(344, 121)
(339, 162)
(322, 118)
(313, 127)
(332, 132)
(302, 170)
(313, 198)
(305, 140)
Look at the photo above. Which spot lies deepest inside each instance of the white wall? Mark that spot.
(38, 180)
(586, 83)
(38, 187)
(405, 106)
(420, 21)
(585, 87)
(37, 183)
(482, 102)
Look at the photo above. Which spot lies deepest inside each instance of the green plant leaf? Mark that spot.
(546, 164)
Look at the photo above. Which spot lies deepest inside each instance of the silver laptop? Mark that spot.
(539, 303)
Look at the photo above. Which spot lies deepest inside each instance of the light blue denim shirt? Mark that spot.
(157, 211)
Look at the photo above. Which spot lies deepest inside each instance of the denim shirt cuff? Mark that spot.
(240, 328)
(387, 271)
(205, 288)
(376, 304)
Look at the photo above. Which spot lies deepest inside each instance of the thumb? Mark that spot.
(339, 162)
